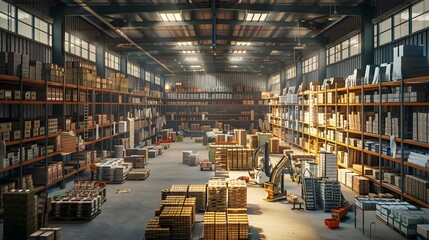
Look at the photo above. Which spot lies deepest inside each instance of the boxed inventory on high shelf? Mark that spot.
(187, 106)
(376, 126)
(61, 108)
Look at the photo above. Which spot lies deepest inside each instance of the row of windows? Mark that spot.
(147, 76)
(25, 24)
(310, 64)
(133, 69)
(157, 80)
(291, 72)
(79, 47)
(344, 50)
(398, 25)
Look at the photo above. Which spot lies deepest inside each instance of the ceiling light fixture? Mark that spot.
(243, 43)
(235, 58)
(184, 44)
(333, 16)
(255, 16)
(239, 51)
(299, 46)
(189, 51)
(171, 16)
(191, 59)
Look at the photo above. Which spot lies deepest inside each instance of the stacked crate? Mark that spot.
(328, 165)
(138, 174)
(274, 145)
(221, 158)
(237, 193)
(112, 170)
(239, 159)
(193, 159)
(185, 156)
(241, 136)
(217, 195)
(20, 214)
(199, 192)
(330, 195)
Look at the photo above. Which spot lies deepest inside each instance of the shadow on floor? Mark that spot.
(254, 209)
(256, 233)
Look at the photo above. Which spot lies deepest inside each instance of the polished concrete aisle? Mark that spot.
(124, 216)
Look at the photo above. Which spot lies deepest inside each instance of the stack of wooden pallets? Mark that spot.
(138, 174)
(237, 194)
(217, 195)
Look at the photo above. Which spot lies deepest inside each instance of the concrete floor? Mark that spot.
(124, 216)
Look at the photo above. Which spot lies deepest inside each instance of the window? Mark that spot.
(42, 31)
(310, 64)
(400, 21)
(112, 61)
(79, 47)
(375, 35)
(147, 76)
(344, 50)
(420, 16)
(385, 28)
(25, 24)
(157, 80)
(7, 16)
(355, 45)
(291, 72)
(133, 70)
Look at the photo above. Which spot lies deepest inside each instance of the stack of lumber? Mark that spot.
(217, 195)
(198, 192)
(237, 193)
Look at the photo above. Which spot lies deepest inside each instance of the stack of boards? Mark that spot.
(226, 225)
(139, 174)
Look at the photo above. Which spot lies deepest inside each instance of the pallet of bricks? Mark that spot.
(237, 193)
(232, 225)
(83, 202)
(198, 192)
(174, 218)
(138, 157)
(217, 195)
(239, 159)
(112, 170)
(218, 155)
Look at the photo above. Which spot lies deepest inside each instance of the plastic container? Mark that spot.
(332, 223)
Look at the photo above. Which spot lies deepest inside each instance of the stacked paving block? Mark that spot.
(238, 226)
(237, 193)
(179, 190)
(198, 192)
(112, 170)
(330, 195)
(178, 220)
(217, 195)
(20, 214)
(215, 226)
(154, 231)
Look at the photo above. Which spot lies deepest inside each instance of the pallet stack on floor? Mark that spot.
(185, 156)
(237, 193)
(20, 214)
(179, 190)
(330, 195)
(238, 226)
(112, 170)
(154, 231)
(239, 159)
(198, 192)
(46, 234)
(138, 174)
(80, 203)
(215, 226)
(217, 195)
(178, 220)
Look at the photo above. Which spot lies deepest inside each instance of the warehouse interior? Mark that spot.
(232, 119)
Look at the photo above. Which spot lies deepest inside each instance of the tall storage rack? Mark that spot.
(226, 107)
(361, 139)
(90, 99)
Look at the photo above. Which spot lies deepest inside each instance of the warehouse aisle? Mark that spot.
(124, 216)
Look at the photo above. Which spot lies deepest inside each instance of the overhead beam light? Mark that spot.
(256, 16)
(184, 44)
(235, 58)
(239, 51)
(195, 66)
(188, 51)
(171, 16)
(191, 59)
(243, 43)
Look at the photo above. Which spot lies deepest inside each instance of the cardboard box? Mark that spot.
(8, 94)
(35, 132)
(16, 135)
(36, 123)
(27, 133)
(6, 136)
(17, 95)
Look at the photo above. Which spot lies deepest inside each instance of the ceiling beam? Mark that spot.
(138, 24)
(143, 40)
(207, 47)
(219, 57)
(147, 8)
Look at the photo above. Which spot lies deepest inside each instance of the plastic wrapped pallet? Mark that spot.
(193, 159)
(185, 156)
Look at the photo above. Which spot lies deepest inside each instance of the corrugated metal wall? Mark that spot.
(274, 82)
(344, 68)
(343, 28)
(384, 53)
(14, 43)
(82, 28)
(383, 6)
(311, 77)
(220, 80)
